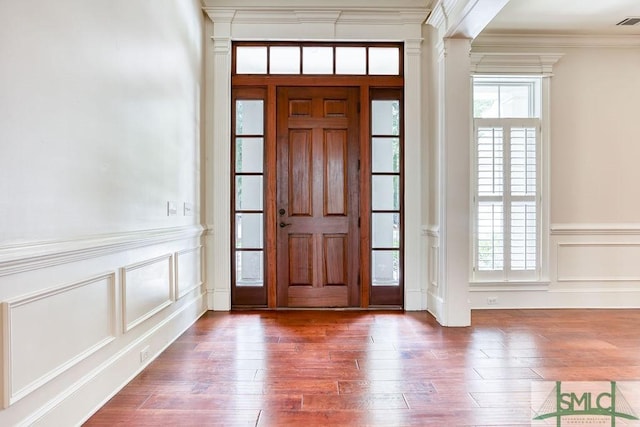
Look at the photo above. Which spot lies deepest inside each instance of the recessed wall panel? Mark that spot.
(48, 332)
(146, 289)
(188, 271)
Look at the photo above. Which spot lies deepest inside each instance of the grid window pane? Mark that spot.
(486, 101)
(351, 60)
(249, 154)
(385, 154)
(249, 117)
(251, 60)
(385, 230)
(249, 230)
(249, 192)
(385, 118)
(385, 268)
(385, 193)
(284, 60)
(384, 61)
(249, 268)
(515, 101)
(317, 60)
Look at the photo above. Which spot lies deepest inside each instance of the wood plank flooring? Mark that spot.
(344, 368)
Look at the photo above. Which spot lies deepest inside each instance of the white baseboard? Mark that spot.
(436, 307)
(413, 300)
(555, 298)
(219, 299)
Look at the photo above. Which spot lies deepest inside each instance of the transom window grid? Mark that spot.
(507, 180)
(282, 58)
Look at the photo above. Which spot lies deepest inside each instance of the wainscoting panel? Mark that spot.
(598, 262)
(188, 270)
(48, 332)
(147, 288)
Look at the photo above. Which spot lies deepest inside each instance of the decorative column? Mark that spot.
(217, 160)
(414, 283)
(454, 87)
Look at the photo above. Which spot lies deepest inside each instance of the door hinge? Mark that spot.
(358, 107)
(358, 164)
(358, 222)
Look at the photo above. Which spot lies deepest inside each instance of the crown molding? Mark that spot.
(517, 40)
(315, 5)
(346, 15)
(514, 63)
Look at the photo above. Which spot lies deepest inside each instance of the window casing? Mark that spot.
(507, 174)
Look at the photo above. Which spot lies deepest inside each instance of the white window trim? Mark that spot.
(521, 64)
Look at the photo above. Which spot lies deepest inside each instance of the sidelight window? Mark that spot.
(386, 188)
(249, 192)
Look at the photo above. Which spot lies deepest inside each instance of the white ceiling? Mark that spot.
(566, 17)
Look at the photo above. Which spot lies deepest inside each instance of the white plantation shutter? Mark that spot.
(506, 244)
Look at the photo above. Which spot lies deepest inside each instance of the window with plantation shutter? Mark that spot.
(507, 181)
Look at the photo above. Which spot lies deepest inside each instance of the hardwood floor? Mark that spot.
(344, 368)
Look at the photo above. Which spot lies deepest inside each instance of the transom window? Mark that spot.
(318, 59)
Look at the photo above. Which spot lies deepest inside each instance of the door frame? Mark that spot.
(268, 85)
(362, 22)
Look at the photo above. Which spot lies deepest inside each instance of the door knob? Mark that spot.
(284, 224)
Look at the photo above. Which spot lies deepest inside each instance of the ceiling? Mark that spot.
(566, 17)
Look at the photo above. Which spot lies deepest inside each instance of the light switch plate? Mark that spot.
(172, 208)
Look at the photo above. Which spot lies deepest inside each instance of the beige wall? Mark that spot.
(595, 137)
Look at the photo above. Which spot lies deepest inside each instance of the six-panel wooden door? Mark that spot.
(317, 197)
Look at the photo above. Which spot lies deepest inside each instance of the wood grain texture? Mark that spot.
(379, 368)
(317, 195)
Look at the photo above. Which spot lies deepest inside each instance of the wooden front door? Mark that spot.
(317, 197)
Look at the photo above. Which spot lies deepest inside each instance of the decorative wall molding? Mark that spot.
(147, 288)
(318, 6)
(183, 270)
(520, 41)
(47, 317)
(35, 255)
(124, 363)
(586, 229)
(598, 262)
(431, 231)
(514, 63)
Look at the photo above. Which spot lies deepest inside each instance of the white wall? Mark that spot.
(100, 128)
(594, 241)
